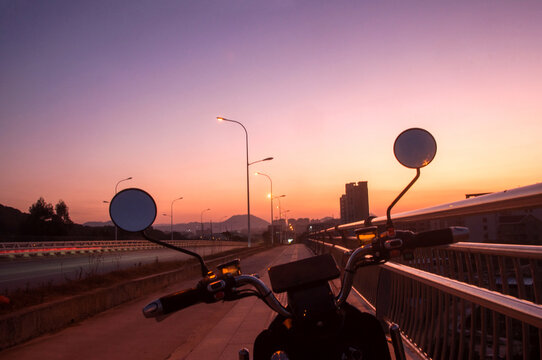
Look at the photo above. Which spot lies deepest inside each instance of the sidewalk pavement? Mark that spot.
(240, 327)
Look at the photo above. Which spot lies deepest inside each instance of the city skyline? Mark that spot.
(95, 92)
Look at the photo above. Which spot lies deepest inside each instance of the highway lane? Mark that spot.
(37, 271)
(203, 331)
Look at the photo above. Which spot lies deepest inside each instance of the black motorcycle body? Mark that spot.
(318, 329)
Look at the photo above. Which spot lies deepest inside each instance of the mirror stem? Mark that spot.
(204, 269)
(389, 223)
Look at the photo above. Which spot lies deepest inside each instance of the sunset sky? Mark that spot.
(92, 92)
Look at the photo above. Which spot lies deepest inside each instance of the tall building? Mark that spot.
(355, 203)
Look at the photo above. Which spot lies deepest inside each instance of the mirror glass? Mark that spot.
(415, 148)
(132, 210)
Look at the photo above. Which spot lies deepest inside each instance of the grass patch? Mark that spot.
(25, 298)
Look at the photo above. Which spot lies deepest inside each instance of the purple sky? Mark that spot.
(92, 92)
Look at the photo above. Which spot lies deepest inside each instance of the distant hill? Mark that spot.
(11, 219)
(234, 223)
(239, 222)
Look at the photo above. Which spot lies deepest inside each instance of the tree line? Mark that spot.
(47, 222)
(44, 219)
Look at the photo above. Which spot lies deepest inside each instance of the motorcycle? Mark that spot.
(316, 324)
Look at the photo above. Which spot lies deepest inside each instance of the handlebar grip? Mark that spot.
(437, 237)
(181, 299)
(173, 302)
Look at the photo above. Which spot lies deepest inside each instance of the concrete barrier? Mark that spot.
(26, 324)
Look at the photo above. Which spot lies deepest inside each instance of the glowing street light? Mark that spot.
(271, 198)
(219, 118)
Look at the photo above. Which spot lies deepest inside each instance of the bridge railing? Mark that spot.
(460, 301)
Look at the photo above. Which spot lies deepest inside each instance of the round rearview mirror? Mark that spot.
(415, 148)
(132, 210)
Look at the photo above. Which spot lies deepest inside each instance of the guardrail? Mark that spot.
(447, 318)
(461, 301)
(74, 247)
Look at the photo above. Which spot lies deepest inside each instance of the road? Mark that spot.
(215, 331)
(36, 271)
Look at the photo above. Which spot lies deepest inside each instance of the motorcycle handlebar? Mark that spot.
(409, 241)
(173, 302)
(265, 293)
(185, 298)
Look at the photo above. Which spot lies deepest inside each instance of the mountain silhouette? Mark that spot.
(10, 219)
(234, 223)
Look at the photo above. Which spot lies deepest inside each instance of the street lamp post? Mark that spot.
(248, 164)
(288, 225)
(211, 225)
(179, 198)
(286, 220)
(201, 220)
(116, 186)
(271, 198)
(278, 197)
(280, 217)
(221, 222)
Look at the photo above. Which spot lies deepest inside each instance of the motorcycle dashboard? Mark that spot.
(230, 268)
(303, 272)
